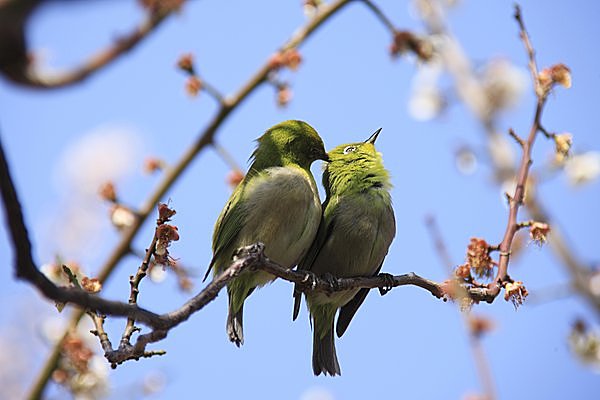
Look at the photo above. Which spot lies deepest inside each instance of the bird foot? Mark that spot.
(331, 281)
(310, 279)
(389, 283)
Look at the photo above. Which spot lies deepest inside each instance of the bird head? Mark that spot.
(293, 141)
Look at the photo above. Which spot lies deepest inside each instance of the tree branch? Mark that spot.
(517, 199)
(22, 72)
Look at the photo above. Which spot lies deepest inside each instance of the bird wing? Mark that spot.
(324, 231)
(228, 225)
(347, 312)
(349, 309)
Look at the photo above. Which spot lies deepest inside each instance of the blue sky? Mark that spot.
(406, 344)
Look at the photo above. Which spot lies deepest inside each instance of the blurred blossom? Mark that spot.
(96, 157)
(466, 161)
(157, 274)
(480, 325)
(594, 284)
(503, 83)
(538, 231)
(121, 217)
(509, 186)
(53, 328)
(284, 95)
(93, 383)
(502, 152)
(426, 101)
(583, 168)
(316, 393)
(105, 154)
(585, 343)
(563, 143)
(154, 382)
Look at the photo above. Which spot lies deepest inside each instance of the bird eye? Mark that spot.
(349, 149)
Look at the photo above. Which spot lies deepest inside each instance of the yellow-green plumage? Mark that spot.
(277, 204)
(355, 233)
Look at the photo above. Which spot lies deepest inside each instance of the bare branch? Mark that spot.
(23, 73)
(517, 199)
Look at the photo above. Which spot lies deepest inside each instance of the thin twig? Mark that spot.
(134, 283)
(226, 157)
(213, 92)
(380, 15)
(517, 138)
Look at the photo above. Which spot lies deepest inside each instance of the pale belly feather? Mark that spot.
(284, 206)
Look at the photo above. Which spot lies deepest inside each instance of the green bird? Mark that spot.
(355, 233)
(277, 203)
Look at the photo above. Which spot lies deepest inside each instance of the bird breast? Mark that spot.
(283, 204)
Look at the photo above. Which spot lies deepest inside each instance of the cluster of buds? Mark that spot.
(478, 325)
(585, 343)
(79, 370)
(563, 143)
(538, 231)
(288, 58)
(91, 285)
(108, 192)
(121, 216)
(234, 178)
(284, 94)
(194, 84)
(478, 258)
(406, 41)
(165, 235)
(463, 272)
(153, 165)
(186, 64)
(558, 74)
(164, 213)
(515, 292)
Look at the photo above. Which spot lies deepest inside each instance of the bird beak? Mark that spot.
(373, 137)
(325, 157)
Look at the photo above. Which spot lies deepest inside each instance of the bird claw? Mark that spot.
(331, 281)
(251, 250)
(310, 279)
(389, 283)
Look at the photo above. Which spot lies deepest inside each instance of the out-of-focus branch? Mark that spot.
(580, 274)
(481, 361)
(16, 65)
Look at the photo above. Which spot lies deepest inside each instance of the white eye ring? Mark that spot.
(349, 149)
